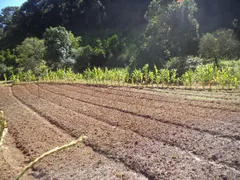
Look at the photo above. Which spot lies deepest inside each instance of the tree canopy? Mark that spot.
(172, 30)
(219, 44)
(111, 33)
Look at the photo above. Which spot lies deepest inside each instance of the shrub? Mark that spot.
(182, 64)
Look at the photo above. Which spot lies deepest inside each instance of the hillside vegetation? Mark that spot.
(47, 35)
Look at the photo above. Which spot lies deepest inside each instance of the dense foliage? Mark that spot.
(43, 36)
(172, 31)
(218, 45)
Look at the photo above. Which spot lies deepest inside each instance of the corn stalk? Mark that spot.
(3, 126)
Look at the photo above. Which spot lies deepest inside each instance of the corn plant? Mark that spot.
(105, 75)
(145, 73)
(118, 75)
(137, 77)
(15, 78)
(157, 75)
(230, 78)
(70, 75)
(53, 76)
(5, 77)
(151, 77)
(125, 76)
(112, 75)
(188, 78)
(165, 77)
(87, 74)
(30, 76)
(178, 81)
(173, 76)
(222, 76)
(237, 80)
(60, 74)
(206, 75)
(79, 76)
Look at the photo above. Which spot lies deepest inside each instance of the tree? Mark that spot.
(6, 15)
(3, 67)
(58, 47)
(8, 62)
(31, 55)
(220, 44)
(75, 41)
(12, 29)
(172, 31)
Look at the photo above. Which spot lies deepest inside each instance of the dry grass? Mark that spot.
(3, 126)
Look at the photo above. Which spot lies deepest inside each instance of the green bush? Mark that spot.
(182, 64)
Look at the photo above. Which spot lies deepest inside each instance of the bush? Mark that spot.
(182, 64)
(88, 57)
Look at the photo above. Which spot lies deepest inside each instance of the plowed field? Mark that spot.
(132, 133)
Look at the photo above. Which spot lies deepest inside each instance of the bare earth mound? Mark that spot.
(132, 133)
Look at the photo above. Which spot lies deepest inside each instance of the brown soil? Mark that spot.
(132, 134)
(34, 135)
(181, 115)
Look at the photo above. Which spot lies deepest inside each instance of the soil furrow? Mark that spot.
(156, 160)
(208, 94)
(211, 148)
(186, 93)
(183, 110)
(11, 159)
(168, 97)
(34, 136)
(178, 98)
(68, 131)
(212, 127)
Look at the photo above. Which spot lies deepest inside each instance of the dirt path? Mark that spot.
(34, 135)
(155, 159)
